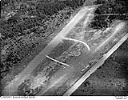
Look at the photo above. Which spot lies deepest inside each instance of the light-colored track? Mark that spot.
(94, 68)
(11, 88)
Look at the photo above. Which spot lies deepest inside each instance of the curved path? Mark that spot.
(11, 88)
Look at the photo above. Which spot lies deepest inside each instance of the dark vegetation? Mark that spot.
(109, 10)
(24, 22)
(116, 66)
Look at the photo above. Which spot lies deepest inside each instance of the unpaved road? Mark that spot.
(11, 88)
(61, 76)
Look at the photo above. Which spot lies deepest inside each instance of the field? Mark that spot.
(28, 26)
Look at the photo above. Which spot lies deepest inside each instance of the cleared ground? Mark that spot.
(111, 78)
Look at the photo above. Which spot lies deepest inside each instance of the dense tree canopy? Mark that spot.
(20, 18)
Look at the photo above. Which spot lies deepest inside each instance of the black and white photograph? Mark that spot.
(76, 48)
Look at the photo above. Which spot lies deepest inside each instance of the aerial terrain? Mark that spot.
(64, 47)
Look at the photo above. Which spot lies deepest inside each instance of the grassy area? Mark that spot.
(27, 24)
(111, 78)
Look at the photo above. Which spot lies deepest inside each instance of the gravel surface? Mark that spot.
(111, 78)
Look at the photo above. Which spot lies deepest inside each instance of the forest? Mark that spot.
(24, 22)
